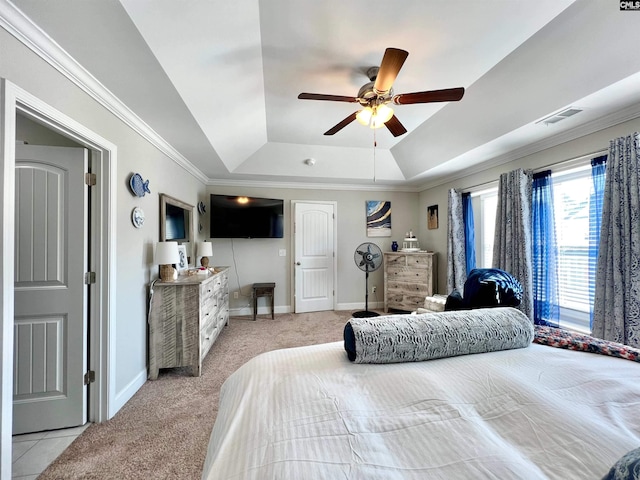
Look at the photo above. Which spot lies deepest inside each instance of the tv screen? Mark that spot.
(246, 217)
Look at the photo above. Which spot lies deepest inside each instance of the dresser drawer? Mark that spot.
(405, 274)
(403, 301)
(409, 288)
(208, 335)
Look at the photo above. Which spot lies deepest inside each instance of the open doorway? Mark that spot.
(16, 102)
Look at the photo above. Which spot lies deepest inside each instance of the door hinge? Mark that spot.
(90, 179)
(89, 278)
(89, 377)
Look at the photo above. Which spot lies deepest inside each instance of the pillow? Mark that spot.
(454, 301)
(486, 287)
(627, 468)
(414, 338)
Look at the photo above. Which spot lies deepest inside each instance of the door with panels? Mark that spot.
(50, 323)
(314, 245)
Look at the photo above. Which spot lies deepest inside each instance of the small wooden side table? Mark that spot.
(262, 290)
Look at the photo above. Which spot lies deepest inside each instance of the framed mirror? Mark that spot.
(176, 220)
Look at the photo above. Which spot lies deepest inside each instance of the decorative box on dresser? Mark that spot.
(409, 277)
(185, 318)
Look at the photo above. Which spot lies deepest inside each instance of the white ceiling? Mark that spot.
(219, 80)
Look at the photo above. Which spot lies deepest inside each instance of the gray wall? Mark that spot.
(257, 260)
(437, 239)
(134, 269)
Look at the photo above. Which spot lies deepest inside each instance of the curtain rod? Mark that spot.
(562, 165)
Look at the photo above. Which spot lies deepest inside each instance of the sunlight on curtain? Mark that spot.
(546, 309)
(469, 232)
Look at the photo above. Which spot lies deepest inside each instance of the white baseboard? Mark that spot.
(124, 395)
(265, 310)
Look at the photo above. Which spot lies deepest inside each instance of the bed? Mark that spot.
(537, 413)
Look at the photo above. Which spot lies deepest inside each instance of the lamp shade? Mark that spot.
(205, 249)
(166, 253)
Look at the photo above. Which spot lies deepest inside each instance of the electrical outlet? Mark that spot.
(373, 289)
(235, 294)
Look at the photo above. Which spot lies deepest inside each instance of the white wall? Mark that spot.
(437, 239)
(257, 260)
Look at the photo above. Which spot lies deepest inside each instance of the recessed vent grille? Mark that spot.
(557, 117)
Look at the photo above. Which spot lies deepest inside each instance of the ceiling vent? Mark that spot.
(562, 115)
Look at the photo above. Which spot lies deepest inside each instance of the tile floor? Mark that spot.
(33, 452)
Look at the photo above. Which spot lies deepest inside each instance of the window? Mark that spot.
(572, 191)
(485, 204)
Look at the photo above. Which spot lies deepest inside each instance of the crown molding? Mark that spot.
(14, 21)
(313, 186)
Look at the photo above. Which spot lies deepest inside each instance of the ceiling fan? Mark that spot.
(375, 95)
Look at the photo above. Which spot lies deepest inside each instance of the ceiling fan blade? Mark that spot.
(392, 62)
(446, 95)
(321, 96)
(342, 124)
(395, 127)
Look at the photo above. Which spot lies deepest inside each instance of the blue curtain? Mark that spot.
(598, 168)
(546, 310)
(469, 233)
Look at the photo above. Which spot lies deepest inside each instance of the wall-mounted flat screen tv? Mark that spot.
(246, 217)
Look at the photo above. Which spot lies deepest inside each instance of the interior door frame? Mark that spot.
(102, 247)
(334, 204)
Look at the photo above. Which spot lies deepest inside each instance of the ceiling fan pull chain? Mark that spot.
(375, 144)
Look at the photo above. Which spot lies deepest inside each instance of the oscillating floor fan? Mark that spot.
(368, 258)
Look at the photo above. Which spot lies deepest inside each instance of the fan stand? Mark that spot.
(365, 313)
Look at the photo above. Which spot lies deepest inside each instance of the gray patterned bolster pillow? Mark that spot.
(414, 338)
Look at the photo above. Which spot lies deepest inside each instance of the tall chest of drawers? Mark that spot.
(408, 279)
(185, 318)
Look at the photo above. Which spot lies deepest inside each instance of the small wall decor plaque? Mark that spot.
(137, 217)
(138, 186)
(432, 217)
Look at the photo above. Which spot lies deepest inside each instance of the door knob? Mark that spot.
(298, 263)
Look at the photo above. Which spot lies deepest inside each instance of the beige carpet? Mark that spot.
(163, 431)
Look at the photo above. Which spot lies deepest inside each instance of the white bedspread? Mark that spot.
(532, 413)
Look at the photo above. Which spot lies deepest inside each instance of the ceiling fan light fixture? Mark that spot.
(381, 116)
(364, 116)
(374, 117)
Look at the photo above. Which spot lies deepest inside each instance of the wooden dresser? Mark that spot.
(408, 279)
(185, 318)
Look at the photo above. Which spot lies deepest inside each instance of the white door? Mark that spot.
(50, 296)
(314, 256)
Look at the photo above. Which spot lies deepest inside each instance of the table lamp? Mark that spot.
(205, 250)
(166, 255)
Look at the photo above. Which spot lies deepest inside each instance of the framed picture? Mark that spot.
(378, 218)
(432, 217)
(183, 264)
